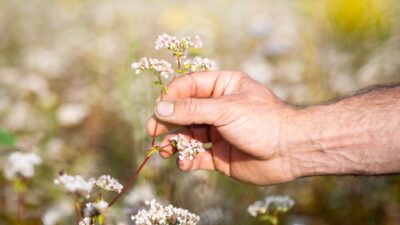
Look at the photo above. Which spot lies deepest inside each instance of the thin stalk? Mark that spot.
(21, 206)
(78, 212)
(129, 183)
(77, 206)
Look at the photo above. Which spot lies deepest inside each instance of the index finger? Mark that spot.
(194, 85)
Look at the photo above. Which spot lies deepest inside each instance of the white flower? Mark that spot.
(178, 47)
(199, 64)
(186, 149)
(106, 182)
(191, 42)
(72, 114)
(167, 41)
(168, 215)
(161, 67)
(96, 207)
(270, 203)
(86, 221)
(21, 164)
(101, 205)
(74, 184)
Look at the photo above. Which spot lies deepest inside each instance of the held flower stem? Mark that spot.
(132, 179)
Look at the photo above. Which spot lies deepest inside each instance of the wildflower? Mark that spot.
(168, 42)
(96, 208)
(178, 47)
(160, 67)
(191, 42)
(101, 205)
(106, 182)
(21, 164)
(169, 215)
(74, 184)
(186, 149)
(71, 114)
(86, 221)
(198, 64)
(271, 204)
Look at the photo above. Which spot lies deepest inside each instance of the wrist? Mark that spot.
(314, 147)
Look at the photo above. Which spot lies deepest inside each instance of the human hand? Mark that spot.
(244, 121)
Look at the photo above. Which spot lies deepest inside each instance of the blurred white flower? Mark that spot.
(169, 215)
(93, 208)
(258, 68)
(44, 61)
(160, 67)
(270, 204)
(186, 149)
(86, 221)
(72, 114)
(106, 182)
(199, 64)
(74, 184)
(139, 194)
(21, 164)
(56, 212)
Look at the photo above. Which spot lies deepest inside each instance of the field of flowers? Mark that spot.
(73, 111)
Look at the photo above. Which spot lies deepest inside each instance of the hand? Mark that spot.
(244, 121)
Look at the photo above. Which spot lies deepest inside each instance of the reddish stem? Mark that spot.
(130, 181)
(21, 206)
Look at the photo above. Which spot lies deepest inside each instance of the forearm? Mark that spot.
(357, 135)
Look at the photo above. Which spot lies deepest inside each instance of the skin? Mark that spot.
(259, 139)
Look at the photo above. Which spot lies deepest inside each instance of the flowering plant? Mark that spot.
(269, 208)
(186, 149)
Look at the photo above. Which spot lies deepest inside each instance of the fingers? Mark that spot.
(191, 111)
(202, 84)
(156, 127)
(196, 85)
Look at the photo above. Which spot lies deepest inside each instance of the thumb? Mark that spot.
(190, 111)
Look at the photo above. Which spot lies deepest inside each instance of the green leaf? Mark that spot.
(158, 83)
(271, 219)
(19, 185)
(101, 219)
(7, 139)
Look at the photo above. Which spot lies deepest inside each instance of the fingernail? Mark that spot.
(165, 108)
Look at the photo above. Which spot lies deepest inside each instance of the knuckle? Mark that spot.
(190, 106)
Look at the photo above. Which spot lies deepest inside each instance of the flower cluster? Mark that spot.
(186, 149)
(277, 204)
(96, 208)
(198, 64)
(21, 164)
(168, 215)
(86, 221)
(74, 184)
(178, 47)
(160, 67)
(106, 182)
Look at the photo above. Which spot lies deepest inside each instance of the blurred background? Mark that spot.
(67, 93)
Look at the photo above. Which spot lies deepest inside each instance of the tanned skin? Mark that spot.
(257, 138)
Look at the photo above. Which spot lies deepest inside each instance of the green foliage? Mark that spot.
(7, 139)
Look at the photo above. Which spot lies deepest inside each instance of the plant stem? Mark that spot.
(78, 212)
(130, 181)
(178, 61)
(21, 206)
